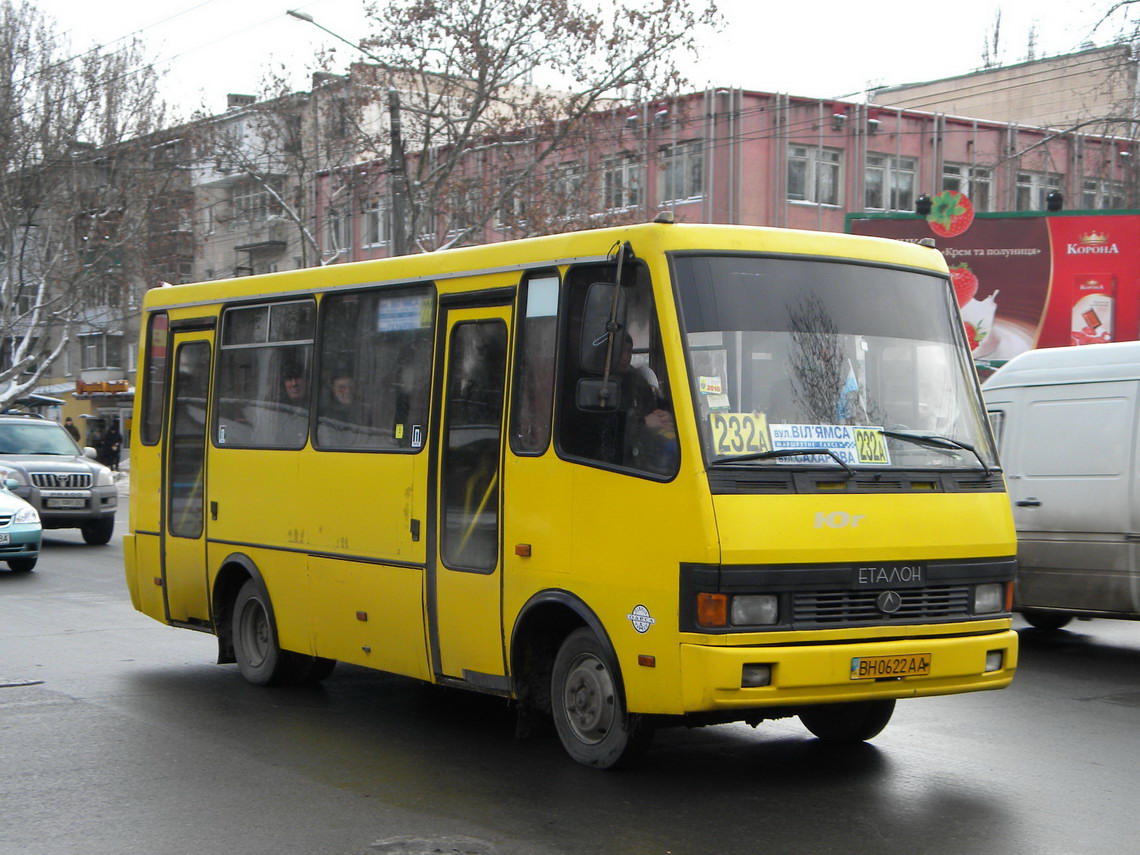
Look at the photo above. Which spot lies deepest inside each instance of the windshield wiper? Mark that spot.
(936, 441)
(784, 452)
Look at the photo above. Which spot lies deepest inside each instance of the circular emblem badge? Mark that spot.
(640, 618)
(889, 602)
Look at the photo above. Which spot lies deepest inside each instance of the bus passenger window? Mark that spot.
(263, 389)
(534, 372)
(375, 368)
(154, 388)
(635, 429)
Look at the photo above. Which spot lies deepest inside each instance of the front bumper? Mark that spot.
(23, 541)
(97, 502)
(821, 673)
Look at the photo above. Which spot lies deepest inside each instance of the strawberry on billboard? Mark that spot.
(1026, 280)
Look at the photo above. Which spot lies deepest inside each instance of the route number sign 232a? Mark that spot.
(739, 433)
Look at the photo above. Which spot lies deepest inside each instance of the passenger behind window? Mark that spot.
(344, 420)
(650, 435)
(292, 419)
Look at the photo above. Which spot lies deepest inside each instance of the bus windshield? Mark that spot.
(864, 363)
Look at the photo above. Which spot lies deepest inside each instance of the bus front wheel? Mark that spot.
(851, 722)
(259, 658)
(589, 710)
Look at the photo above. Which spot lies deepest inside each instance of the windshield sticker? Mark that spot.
(739, 433)
(863, 445)
(710, 385)
(718, 402)
(640, 618)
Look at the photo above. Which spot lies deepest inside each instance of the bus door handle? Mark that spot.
(214, 511)
(1029, 503)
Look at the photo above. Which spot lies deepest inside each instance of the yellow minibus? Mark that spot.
(623, 478)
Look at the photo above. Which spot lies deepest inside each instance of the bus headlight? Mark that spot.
(988, 598)
(755, 610)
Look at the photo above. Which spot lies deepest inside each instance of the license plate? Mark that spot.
(879, 667)
(5, 538)
(66, 503)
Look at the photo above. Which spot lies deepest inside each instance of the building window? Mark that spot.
(1033, 187)
(1099, 194)
(621, 182)
(253, 201)
(889, 182)
(567, 182)
(814, 175)
(101, 350)
(374, 231)
(682, 171)
(338, 230)
(975, 182)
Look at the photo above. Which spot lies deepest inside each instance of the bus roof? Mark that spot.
(552, 250)
(1081, 364)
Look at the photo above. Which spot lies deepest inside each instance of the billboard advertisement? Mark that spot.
(1033, 279)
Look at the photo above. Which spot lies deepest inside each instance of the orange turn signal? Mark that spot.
(712, 609)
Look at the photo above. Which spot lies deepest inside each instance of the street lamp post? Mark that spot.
(398, 169)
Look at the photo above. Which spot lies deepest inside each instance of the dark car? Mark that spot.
(58, 478)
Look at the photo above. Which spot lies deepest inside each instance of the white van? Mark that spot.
(1066, 424)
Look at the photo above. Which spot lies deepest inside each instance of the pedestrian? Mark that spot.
(112, 446)
(69, 426)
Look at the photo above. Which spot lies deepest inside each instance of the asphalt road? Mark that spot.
(120, 736)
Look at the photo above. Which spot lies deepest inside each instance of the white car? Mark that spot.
(20, 530)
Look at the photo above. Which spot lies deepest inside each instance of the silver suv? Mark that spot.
(60, 479)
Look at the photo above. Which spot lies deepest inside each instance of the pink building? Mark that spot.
(733, 156)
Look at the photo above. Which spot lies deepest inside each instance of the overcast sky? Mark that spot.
(822, 48)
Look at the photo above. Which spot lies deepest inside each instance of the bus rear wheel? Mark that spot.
(261, 661)
(848, 723)
(588, 707)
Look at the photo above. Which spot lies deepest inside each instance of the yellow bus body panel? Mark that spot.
(818, 528)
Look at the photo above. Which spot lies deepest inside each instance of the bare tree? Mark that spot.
(991, 45)
(76, 188)
(490, 99)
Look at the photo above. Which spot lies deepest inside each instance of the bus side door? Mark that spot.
(184, 574)
(465, 585)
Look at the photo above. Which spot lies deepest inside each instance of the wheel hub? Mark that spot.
(589, 699)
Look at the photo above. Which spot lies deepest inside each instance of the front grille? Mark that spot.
(827, 608)
(5, 519)
(61, 480)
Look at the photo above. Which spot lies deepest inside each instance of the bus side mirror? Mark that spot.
(595, 395)
(595, 333)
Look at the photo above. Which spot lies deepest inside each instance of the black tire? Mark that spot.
(589, 705)
(848, 723)
(1046, 621)
(22, 565)
(98, 533)
(259, 658)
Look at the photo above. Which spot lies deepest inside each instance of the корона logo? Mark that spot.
(1093, 243)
